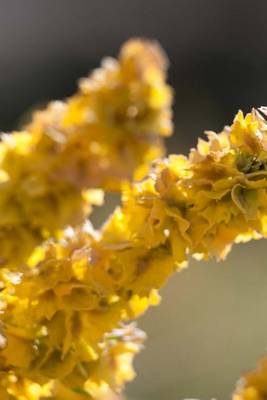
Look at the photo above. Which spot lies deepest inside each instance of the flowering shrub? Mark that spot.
(70, 293)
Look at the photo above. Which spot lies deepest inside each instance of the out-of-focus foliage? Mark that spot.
(106, 134)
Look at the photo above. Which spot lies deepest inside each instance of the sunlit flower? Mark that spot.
(101, 137)
(253, 385)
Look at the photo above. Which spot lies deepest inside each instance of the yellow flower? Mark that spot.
(104, 135)
(253, 385)
(57, 314)
(61, 333)
(107, 374)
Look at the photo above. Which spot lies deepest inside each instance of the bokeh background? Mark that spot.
(212, 323)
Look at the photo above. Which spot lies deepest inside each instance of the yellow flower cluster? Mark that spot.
(108, 132)
(253, 386)
(102, 377)
(57, 315)
(197, 205)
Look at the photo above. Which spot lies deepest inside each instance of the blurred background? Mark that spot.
(212, 323)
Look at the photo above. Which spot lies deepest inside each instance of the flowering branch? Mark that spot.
(58, 314)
